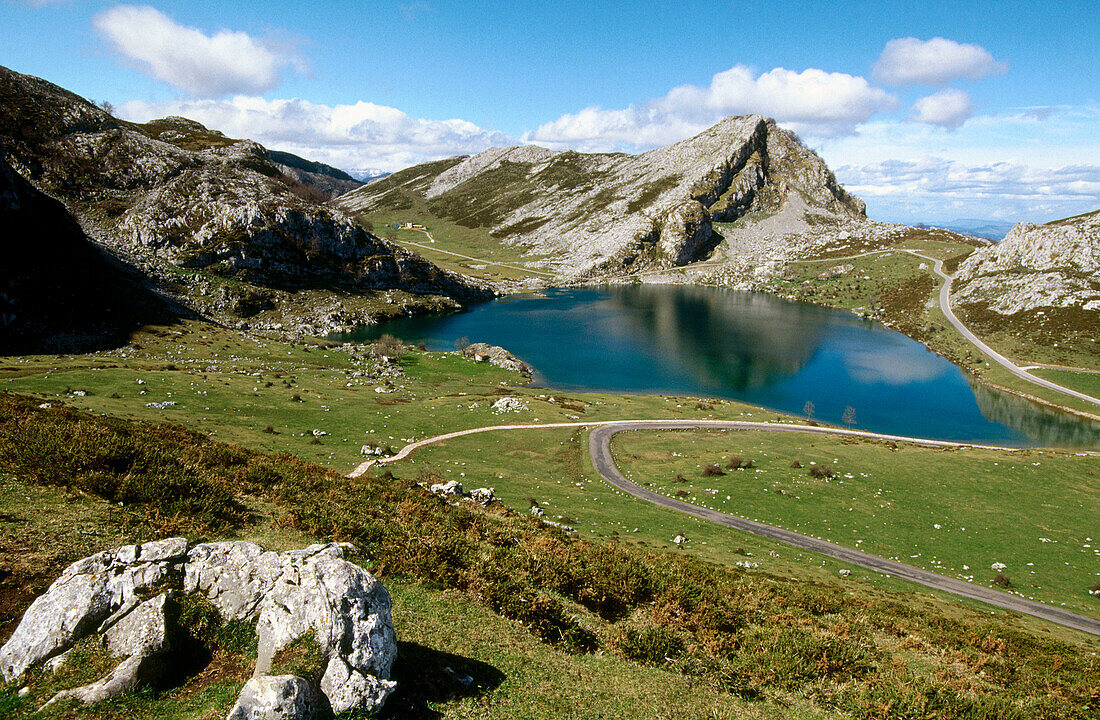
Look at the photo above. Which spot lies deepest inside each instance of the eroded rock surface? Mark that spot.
(496, 355)
(1056, 265)
(612, 211)
(313, 592)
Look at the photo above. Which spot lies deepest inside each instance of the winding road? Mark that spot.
(945, 307)
(599, 447)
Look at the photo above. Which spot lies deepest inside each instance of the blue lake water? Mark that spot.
(753, 347)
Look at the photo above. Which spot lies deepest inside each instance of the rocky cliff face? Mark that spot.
(58, 291)
(615, 212)
(1054, 266)
(194, 208)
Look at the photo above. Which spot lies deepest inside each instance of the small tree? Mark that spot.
(849, 416)
(808, 409)
(462, 343)
(388, 346)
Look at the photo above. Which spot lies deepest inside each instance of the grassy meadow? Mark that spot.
(209, 433)
(547, 625)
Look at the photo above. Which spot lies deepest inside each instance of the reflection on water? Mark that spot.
(746, 346)
(1042, 426)
(723, 339)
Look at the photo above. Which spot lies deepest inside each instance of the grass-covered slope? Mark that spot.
(750, 644)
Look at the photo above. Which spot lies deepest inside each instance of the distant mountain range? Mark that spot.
(994, 230)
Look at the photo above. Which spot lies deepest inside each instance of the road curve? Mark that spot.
(658, 424)
(945, 307)
(599, 447)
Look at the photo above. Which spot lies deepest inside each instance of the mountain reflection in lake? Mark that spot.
(713, 342)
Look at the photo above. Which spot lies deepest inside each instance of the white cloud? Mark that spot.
(813, 102)
(358, 137)
(911, 61)
(203, 65)
(948, 108)
(937, 189)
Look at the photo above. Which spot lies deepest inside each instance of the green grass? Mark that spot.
(1032, 510)
(809, 646)
(1088, 383)
(476, 242)
(219, 379)
(691, 637)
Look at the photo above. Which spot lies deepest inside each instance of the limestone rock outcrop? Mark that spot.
(614, 211)
(1056, 265)
(310, 593)
(496, 355)
(193, 208)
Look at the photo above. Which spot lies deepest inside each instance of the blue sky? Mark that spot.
(929, 111)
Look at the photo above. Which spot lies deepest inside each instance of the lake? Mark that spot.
(752, 347)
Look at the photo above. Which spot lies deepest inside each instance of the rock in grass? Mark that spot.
(451, 487)
(275, 697)
(90, 595)
(496, 355)
(290, 595)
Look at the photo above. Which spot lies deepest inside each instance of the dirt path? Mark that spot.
(477, 260)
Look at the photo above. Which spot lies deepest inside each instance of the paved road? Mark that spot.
(657, 424)
(599, 447)
(600, 452)
(945, 306)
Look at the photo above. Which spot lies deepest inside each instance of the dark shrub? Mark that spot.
(712, 470)
(734, 462)
(1001, 580)
(821, 471)
(650, 644)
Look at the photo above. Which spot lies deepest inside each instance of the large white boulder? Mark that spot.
(311, 592)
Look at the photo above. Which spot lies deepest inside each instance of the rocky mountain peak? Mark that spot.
(597, 211)
(1056, 265)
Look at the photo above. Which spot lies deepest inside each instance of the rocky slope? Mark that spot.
(1056, 265)
(58, 291)
(614, 212)
(232, 229)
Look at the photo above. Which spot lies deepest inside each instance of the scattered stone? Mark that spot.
(509, 404)
(496, 355)
(836, 271)
(451, 487)
(537, 511)
(484, 496)
(319, 433)
(845, 573)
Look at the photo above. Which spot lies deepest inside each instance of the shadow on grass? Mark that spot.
(426, 676)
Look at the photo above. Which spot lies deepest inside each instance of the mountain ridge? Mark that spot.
(613, 211)
(215, 221)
